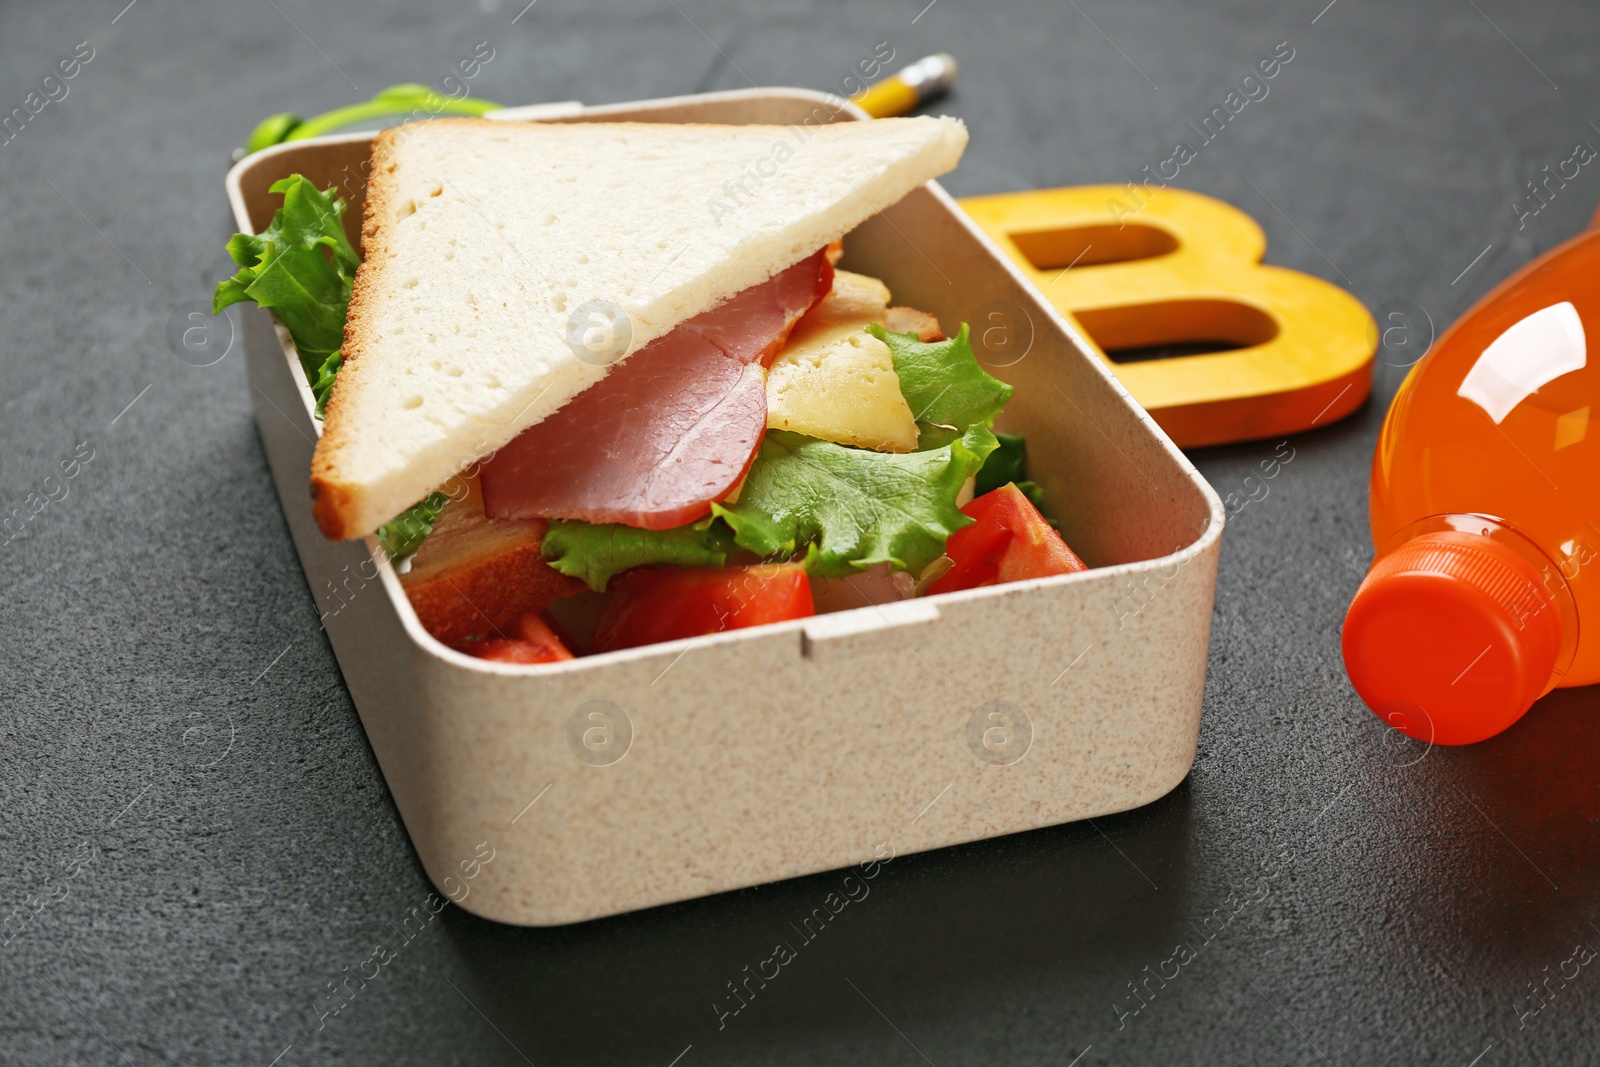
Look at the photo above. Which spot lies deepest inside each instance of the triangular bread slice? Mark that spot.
(482, 240)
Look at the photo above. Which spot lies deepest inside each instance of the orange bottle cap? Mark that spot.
(1451, 637)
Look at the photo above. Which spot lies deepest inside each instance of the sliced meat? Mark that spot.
(473, 576)
(910, 320)
(669, 430)
(650, 445)
(752, 326)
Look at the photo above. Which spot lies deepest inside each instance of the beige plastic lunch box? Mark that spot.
(669, 772)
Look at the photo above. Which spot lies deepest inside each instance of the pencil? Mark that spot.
(909, 88)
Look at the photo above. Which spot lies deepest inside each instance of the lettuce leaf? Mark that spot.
(404, 534)
(322, 386)
(942, 382)
(302, 267)
(1008, 464)
(596, 551)
(852, 507)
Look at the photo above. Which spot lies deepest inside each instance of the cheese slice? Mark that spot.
(836, 382)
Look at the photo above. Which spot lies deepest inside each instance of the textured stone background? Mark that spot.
(184, 780)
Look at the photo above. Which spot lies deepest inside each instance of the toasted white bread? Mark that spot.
(483, 239)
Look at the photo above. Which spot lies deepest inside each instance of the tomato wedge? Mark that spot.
(1009, 541)
(651, 604)
(532, 640)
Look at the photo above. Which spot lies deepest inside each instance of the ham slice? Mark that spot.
(670, 429)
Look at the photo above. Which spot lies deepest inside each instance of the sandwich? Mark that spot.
(592, 386)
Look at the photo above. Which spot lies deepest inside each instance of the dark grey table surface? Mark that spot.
(186, 788)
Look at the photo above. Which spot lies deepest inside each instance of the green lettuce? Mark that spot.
(943, 384)
(596, 551)
(404, 534)
(302, 267)
(1009, 464)
(322, 387)
(852, 507)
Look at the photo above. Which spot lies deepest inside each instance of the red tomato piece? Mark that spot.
(1009, 541)
(651, 604)
(532, 640)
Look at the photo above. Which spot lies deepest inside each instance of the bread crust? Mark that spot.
(332, 499)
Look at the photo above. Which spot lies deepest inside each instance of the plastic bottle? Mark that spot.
(1485, 513)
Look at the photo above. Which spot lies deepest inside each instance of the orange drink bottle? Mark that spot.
(1485, 513)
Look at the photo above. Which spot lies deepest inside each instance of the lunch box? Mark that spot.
(550, 794)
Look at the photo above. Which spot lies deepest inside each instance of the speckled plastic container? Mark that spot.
(660, 774)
